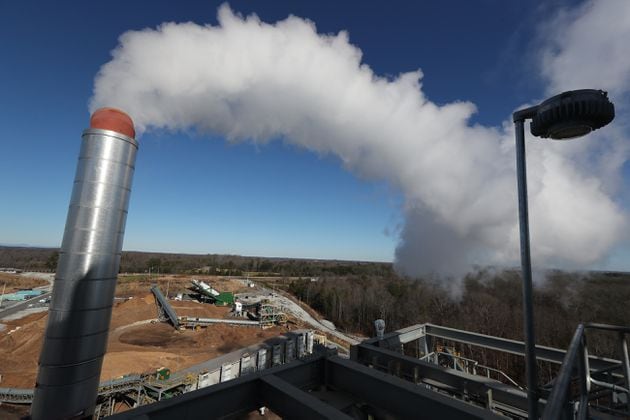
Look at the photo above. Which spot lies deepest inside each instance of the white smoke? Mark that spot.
(587, 46)
(250, 80)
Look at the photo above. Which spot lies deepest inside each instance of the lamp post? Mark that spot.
(568, 115)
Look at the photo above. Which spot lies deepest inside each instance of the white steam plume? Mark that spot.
(250, 80)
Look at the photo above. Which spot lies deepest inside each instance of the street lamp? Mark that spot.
(568, 115)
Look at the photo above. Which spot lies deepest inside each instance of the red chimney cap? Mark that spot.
(113, 119)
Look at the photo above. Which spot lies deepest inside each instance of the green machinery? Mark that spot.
(209, 293)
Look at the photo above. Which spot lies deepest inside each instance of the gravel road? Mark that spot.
(300, 313)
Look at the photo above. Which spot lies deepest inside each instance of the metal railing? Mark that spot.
(474, 367)
(562, 403)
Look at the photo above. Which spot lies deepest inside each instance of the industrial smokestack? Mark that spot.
(83, 292)
(379, 325)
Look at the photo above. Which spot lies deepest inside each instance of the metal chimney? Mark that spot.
(379, 325)
(83, 292)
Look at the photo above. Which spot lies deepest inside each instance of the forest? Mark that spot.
(487, 302)
(45, 259)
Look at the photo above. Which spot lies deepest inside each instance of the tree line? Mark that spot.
(486, 302)
(45, 259)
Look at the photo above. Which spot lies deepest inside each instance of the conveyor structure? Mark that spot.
(381, 379)
(192, 322)
(165, 310)
(208, 293)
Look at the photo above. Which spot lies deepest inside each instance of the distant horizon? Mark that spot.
(5, 245)
(502, 268)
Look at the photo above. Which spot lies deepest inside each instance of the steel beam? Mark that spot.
(548, 354)
(461, 383)
(403, 336)
(282, 389)
(286, 400)
(237, 396)
(304, 373)
(396, 396)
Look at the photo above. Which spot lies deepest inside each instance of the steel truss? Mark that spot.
(381, 381)
(306, 387)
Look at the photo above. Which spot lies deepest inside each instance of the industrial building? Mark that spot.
(381, 380)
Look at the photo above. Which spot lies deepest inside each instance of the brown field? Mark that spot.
(139, 284)
(16, 282)
(135, 344)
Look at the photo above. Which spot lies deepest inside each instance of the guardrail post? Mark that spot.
(583, 378)
(626, 365)
(587, 368)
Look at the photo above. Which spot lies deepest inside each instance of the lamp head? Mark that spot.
(572, 114)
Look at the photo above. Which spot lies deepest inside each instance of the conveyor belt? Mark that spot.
(165, 308)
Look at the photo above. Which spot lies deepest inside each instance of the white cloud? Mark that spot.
(589, 44)
(250, 80)
(587, 47)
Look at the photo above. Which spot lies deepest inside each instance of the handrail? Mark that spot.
(556, 403)
(607, 327)
(476, 365)
(577, 357)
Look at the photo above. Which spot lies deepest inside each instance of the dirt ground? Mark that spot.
(138, 284)
(14, 282)
(135, 344)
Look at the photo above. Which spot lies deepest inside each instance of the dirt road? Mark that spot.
(297, 311)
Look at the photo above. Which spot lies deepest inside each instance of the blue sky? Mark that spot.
(199, 194)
